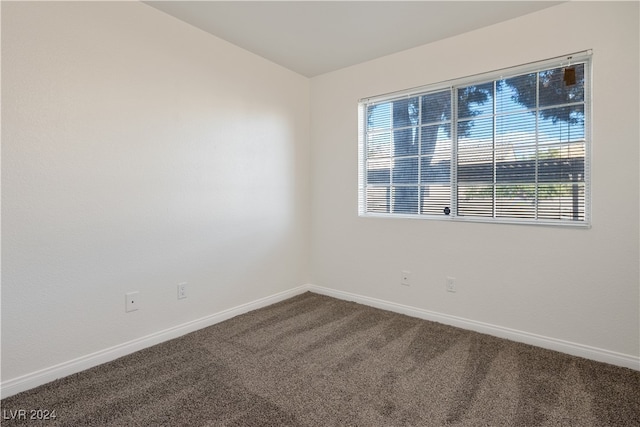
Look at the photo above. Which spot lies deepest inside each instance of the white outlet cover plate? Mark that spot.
(405, 278)
(182, 290)
(132, 301)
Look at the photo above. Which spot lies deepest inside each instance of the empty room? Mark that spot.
(320, 213)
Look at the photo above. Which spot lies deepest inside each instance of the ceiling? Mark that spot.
(316, 37)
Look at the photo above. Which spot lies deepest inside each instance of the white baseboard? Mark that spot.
(34, 379)
(587, 352)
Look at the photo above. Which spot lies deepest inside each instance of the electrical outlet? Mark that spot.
(182, 290)
(132, 301)
(405, 278)
(451, 284)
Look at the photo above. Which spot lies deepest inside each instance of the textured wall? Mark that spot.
(137, 153)
(576, 285)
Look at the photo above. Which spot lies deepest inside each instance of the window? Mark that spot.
(509, 146)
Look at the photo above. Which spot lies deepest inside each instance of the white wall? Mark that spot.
(575, 285)
(139, 152)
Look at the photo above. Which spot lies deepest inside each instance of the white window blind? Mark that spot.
(507, 146)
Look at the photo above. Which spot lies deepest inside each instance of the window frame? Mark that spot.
(583, 57)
